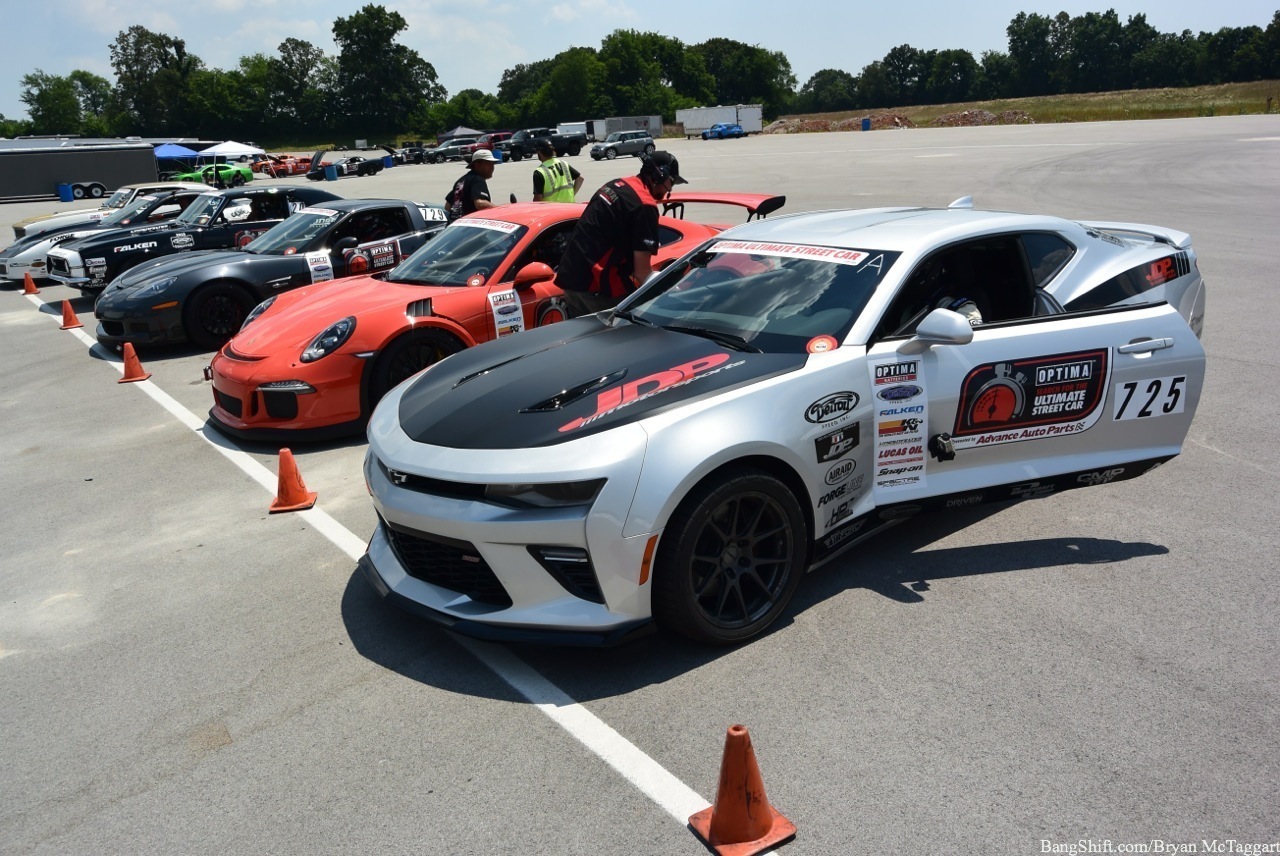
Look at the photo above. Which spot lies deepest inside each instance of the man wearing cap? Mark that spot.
(611, 249)
(554, 180)
(471, 192)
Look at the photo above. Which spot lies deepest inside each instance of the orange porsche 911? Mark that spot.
(311, 363)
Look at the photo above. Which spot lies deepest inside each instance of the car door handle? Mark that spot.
(1146, 346)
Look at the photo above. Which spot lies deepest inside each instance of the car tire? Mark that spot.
(648, 149)
(215, 313)
(553, 311)
(731, 559)
(575, 150)
(517, 155)
(237, 180)
(610, 153)
(405, 357)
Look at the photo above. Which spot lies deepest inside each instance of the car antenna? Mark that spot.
(962, 202)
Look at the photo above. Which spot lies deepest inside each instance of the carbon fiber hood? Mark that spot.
(561, 382)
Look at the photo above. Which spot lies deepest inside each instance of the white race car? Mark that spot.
(770, 400)
(122, 197)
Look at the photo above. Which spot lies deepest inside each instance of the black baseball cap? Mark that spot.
(544, 145)
(667, 166)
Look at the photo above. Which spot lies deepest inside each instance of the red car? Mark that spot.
(279, 166)
(486, 141)
(311, 363)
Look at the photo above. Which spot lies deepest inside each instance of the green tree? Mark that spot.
(747, 74)
(153, 82)
(1169, 60)
(1095, 59)
(828, 91)
(381, 82)
(996, 77)
(952, 76)
(302, 87)
(1033, 55)
(51, 102)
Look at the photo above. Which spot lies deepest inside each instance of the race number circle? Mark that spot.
(475, 281)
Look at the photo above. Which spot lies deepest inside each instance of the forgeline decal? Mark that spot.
(319, 266)
(901, 423)
(902, 372)
(838, 503)
(837, 405)
(1031, 399)
(792, 251)
(618, 397)
(507, 317)
(838, 443)
(496, 225)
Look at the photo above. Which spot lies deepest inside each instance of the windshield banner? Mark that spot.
(791, 251)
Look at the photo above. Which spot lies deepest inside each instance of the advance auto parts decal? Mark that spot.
(1031, 399)
(902, 421)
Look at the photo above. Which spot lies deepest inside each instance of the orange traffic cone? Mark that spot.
(742, 822)
(132, 367)
(69, 319)
(291, 493)
(29, 284)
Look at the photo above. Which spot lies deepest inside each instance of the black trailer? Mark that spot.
(88, 171)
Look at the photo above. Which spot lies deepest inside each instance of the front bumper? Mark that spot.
(123, 320)
(323, 399)
(68, 268)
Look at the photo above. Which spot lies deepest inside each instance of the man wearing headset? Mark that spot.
(610, 251)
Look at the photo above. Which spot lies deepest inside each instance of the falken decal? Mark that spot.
(507, 317)
(837, 405)
(617, 397)
(1031, 399)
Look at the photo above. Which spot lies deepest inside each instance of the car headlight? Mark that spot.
(329, 340)
(154, 288)
(258, 310)
(554, 495)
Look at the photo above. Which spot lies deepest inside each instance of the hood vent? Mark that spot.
(569, 396)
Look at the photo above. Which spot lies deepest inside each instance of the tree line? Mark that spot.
(379, 89)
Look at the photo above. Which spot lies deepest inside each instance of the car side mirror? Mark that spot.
(939, 327)
(532, 273)
(343, 244)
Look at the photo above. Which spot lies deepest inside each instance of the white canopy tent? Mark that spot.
(231, 149)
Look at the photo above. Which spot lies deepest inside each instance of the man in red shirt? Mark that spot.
(610, 251)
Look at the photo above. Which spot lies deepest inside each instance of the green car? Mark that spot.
(219, 175)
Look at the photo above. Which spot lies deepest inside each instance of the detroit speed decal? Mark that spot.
(901, 423)
(1030, 399)
(507, 317)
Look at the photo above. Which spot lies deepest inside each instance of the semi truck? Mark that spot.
(697, 119)
(31, 172)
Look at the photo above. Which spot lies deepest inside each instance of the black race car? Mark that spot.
(353, 165)
(218, 219)
(205, 297)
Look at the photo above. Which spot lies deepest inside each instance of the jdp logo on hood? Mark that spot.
(906, 392)
(832, 407)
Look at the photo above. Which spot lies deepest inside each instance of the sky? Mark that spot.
(471, 43)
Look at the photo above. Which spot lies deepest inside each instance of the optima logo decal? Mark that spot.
(637, 390)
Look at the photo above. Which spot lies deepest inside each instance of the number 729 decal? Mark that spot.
(1159, 396)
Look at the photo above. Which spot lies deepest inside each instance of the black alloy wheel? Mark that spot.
(215, 313)
(731, 559)
(406, 356)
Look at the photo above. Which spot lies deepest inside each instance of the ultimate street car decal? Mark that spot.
(1030, 399)
(902, 420)
(496, 225)
(791, 251)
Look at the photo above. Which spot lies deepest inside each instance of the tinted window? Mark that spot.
(1046, 254)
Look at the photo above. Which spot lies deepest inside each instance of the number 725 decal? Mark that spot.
(1159, 396)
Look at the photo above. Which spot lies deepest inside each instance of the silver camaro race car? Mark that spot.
(770, 400)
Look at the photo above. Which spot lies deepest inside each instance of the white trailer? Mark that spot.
(595, 129)
(652, 124)
(697, 119)
(571, 128)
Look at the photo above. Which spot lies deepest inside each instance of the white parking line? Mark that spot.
(648, 776)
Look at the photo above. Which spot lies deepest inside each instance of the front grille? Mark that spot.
(59, 264)
(228, 403)
(232, 354)
(450, 564)
(112, 328)
(280, 405)
(434, 487)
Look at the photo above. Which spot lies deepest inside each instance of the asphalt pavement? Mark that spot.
(183, 672)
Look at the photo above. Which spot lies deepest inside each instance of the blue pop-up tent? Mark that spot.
(173, 150)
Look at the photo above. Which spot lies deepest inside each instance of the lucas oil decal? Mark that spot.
(507, 316)
(901, 424)
(1031, 399)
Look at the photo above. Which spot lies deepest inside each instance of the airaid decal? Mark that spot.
(839, 472)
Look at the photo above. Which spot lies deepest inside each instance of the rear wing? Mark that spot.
(1181, 240)
(757, 204)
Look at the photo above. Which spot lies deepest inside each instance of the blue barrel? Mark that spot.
(65, 193)
(497, 155)
(331, 173)
(866, 124)
(388, 161)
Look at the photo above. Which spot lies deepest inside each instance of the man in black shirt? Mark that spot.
(471, 192)
(610, 251)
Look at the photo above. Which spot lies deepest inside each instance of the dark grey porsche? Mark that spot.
(205, 297)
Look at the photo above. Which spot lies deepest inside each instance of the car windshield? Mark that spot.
(119, 198)
(125, 215)
(297, 233)
(613, 138)
(466, 249)
(774, 298)
(202, 211)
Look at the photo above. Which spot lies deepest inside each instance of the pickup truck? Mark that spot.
(521, 144)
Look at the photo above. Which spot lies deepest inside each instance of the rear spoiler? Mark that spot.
(757, 204)
(1181, 240)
